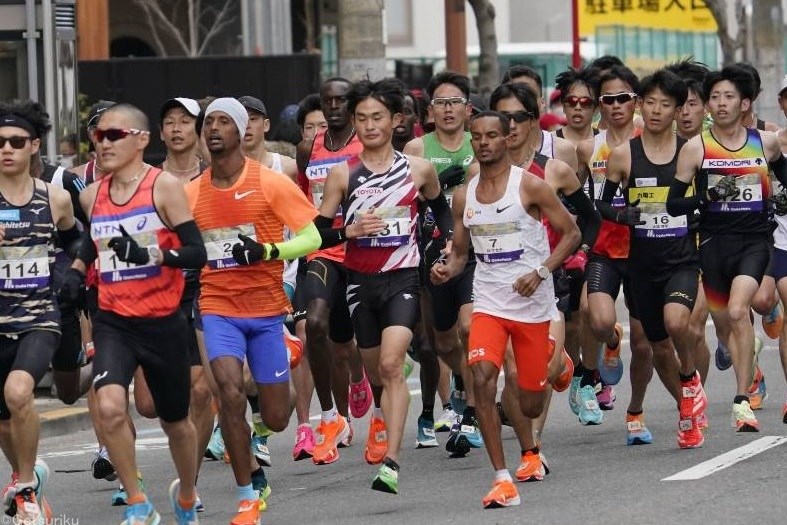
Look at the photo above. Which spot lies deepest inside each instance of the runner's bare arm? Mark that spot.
(302, 153)
(567, 152)
(415, 147)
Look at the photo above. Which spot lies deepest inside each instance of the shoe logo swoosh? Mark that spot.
(504, 208)
(239, 196)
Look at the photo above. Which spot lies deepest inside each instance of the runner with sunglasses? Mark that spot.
(448, 150)
(139, 322)
(34, 215)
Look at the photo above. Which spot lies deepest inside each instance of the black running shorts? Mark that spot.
(606, 276)
(724, 257)
(651, 292)
(327, 280)
(31, 351)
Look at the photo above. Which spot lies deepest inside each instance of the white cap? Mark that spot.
(784, 85)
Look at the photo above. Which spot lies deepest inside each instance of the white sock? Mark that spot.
(502, 475)
(330, 415)
(377, 412)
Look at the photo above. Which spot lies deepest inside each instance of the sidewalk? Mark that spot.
(59, 419)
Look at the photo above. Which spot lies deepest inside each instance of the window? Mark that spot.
(399, 22)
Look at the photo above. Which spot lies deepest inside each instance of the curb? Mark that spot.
(63, 421)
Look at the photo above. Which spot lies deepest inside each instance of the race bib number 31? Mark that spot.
(396, 232)
(24, 267)
(219, 243)
(497, 243)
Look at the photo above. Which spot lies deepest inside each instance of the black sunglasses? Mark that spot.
(114, 134)
(620, 98)
(517, 116)
(16, 141)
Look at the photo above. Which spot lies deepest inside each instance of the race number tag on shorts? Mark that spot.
(113, 270)
(496, 243)
(24, 267)
(396, 232)
(749, 198)
(219, 243)
(658, 223)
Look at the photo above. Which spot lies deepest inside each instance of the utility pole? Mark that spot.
(455, 36)
(768, 36)
(361, 39)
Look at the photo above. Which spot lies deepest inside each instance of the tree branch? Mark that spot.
(151, 8)
(222, 20)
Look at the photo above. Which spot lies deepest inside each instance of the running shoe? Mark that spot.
(294, 348)
(693, 400)
(248, 513)
(304, 442)
(458, 401)
(573, 395)
(425, 436)
(141, 514)
(329, 433)
(41, 471)
(9, 493)
(589, 411)
(386, 480)
(259, 447)
(376, 442)
(260, 483)
(531, 468)
(445, 421)
(215, 450)
(409, 365)
(350, 433)
(610, 365)
(360, 397)
(758, 346)
(501, 413)
(689, 432)
(563, 380)
(182, 516)
(723, 359)
(773, 321)
(463, 437)
(198, 505)
(102, 467)
(743, 418)
(702, 421)
(636, 431)
(757, 392)
(503, 494)
(27, 508)
(606, 397)
(120, 495)
(543, 460)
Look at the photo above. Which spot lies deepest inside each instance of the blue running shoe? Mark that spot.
(120, 495)
(573, 391)
(215, 448)
(425, 437)
(182, 516)
(589, 411)
(198, 505)
(141, 514)
(260, 483)
(41, 471)
(723, 359)
(610, 364)
(636, 431)
(457, 448)
(259, 447)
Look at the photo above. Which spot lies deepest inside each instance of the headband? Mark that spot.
(16, 121)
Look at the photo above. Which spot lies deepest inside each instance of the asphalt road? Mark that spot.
(595, 477)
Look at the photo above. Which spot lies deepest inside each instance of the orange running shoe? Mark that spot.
(689, 433)
(564, 379)
(773, 321)
(376, 442)
(757, 392)
(329, 434)
(294, 348)
(248, 513)
(531, 468)
(503, 494)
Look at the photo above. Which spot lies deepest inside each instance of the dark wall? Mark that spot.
(148, 82)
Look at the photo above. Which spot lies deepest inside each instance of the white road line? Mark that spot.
(722, 461)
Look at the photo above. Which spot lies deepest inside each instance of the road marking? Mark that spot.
(722, 461)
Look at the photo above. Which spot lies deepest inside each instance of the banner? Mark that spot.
(674, 15)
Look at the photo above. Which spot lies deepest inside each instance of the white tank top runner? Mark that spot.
(547, 144)
(508, 244)
(290, 267)
(780, 235)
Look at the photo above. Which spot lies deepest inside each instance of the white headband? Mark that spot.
(234, 109)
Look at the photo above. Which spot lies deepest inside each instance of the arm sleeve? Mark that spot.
(442, 213)
(305, 241)
(608, 190)
(329, 236)
(607, 211)
(69, 240)
(779, 168)
(591, 221)
(86, 252)
(192, 254)
(74, 186)
(677, 202)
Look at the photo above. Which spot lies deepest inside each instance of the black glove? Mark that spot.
(450, 177)
(127, 248)
(724, 189)
(72, 289)
(433, 252)
(630, 215)
(249, 252)
(778, 203)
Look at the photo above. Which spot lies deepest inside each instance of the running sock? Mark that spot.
(428, 411)
(534, 450)
(331, 415)
(377, 412)
(637, 413)
(393, 465)
(687, 378)
(579, 370)
(245, 492)
(588, 377)
(459, 383)
(135, 500)
(468, 415)
(254, 403)
(740, 399)
(503, 475)
(30, 484)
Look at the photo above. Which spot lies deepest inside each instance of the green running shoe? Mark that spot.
(386, 480)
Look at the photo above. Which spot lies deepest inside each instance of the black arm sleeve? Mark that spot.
(69, 240)
(87, 249)
(192, 254)
(677, 202)
(608, 190)
(779, 168)
(607, 211)
(74, 186)
(590, 219)
(329, 236)
(442, 215)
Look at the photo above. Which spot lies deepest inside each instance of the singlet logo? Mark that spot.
(364, 192)
(467, 161)
(733, 163)
(470, 213)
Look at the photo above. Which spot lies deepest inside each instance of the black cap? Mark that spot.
(477, 103)
(96, 110)
(253, 103)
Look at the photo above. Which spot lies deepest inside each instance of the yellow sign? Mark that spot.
(675, 15)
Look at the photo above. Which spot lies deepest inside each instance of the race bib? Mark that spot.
(618, 200)
(749, 198)
(219, 243)
(497, 243)
(396, 232)
(317, 191)
(113, 270)
(24, 267)
(658, 223)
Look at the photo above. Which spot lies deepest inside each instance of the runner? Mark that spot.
(138, 322)
(579, 100)
(242, 300)
(378, 191)
(32, 214)
(501, 210)
(779, 258)
(91, 170)
(730, 164)
(254, 139)
(405, 132)
(310, 117)
(663, 264)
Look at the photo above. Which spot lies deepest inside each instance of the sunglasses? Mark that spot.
(517, 116)
(448, 101)
(584, 102)
(620, 98)
(16, 142)
(115, 134)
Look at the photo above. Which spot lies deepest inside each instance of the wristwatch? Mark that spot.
(154, 253)
(543, 271)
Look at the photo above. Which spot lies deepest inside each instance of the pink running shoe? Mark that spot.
(304, 442)
(360, 397)
(606, 398)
